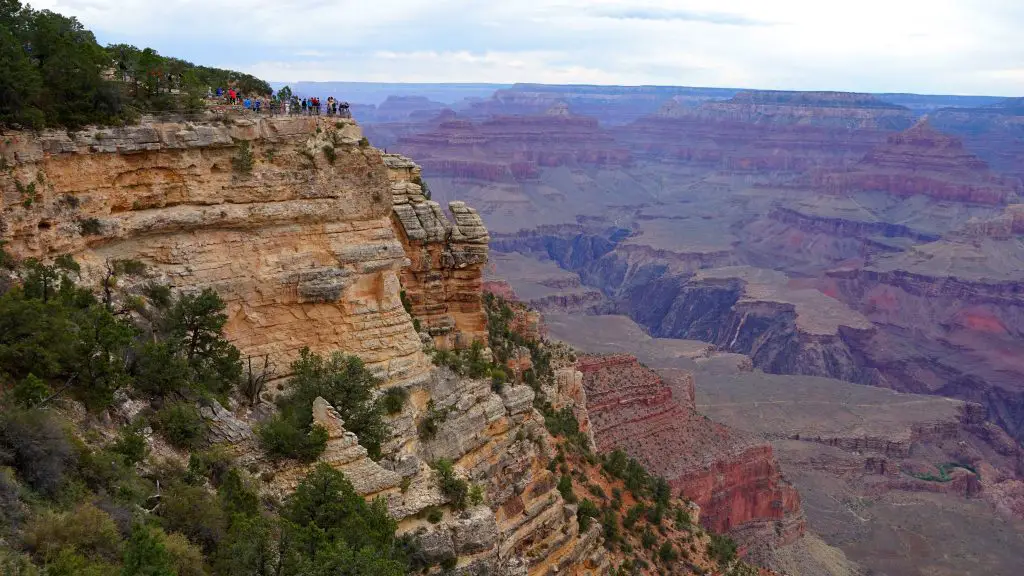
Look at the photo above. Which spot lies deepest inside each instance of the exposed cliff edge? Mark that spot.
(732, 476)
(309, 234)
(297, 240)
(443, 280)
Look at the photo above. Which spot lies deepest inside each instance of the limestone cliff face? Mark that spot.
(287, 218)
(445, 276)
(290, 220)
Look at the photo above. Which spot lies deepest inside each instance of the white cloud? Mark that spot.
(950, 46)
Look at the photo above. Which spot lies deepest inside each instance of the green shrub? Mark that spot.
(238, 496)
(146, 554)
(722, 549)
(249, 548)
(634, 514)
(364, 143)
(68, 562)
(682, 518)
(610, 526)
(180, 424)
(90, 226)
(330, 529)
(186, 559)
(565, 488)
(213, 464)
(587, 511)
(394, 399)
(34, 444)
(194, 512)
(347, 385)
(86, 530)
(667, 553)
(434, 515)
(454, 489)
(194, 326)
(431, 422)
(476, 495)
(132, 445)
(329, 153)
(282, 438)
(30, 391)
(160, 369)
(648, 539)
(243, 160)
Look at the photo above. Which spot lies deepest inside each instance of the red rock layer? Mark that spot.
(762, 131)
(512, 147)
(923, 161)
(733, 478)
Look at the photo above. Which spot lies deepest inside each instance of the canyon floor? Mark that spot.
(840, 272)
(886, 531)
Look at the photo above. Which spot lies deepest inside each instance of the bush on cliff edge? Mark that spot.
(347, 385)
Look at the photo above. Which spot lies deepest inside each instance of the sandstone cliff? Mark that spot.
(443, 280)
(304, 231)
(287, 218)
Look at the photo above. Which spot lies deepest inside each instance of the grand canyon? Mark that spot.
(255, 328)
(834, 279)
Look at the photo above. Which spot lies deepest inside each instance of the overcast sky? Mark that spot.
(927, 46)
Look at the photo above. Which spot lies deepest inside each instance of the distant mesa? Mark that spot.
(924, 161)
(832, 109)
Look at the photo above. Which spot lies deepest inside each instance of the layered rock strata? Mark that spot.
(767, 133)
(731, 476)
(923, 161)
(287, 218)
(443, 281)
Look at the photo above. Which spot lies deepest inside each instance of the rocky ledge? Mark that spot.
(733, 477)
(287, 218)
(443, 280)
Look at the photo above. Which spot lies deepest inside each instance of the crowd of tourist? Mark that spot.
(310, 106)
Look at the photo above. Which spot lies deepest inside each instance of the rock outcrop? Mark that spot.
(443, 282)
(730, 475)
(287, 218)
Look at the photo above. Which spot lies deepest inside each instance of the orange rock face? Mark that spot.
(444, 278)
(300, 246)
(734, 478)
(513, 147)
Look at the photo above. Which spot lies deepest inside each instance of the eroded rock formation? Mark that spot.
(444, 279)
(287, 221)
(924, 161)
(733, 477)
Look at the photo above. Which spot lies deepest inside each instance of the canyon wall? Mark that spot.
(289, 219)
(732, 476)
(923, 161)
(286, 218)
(444, 278)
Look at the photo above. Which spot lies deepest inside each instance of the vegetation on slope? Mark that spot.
(53, 73)
(347, 385)
(80, 497)
(645, 527)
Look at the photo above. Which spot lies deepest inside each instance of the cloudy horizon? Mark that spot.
(938, 46)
